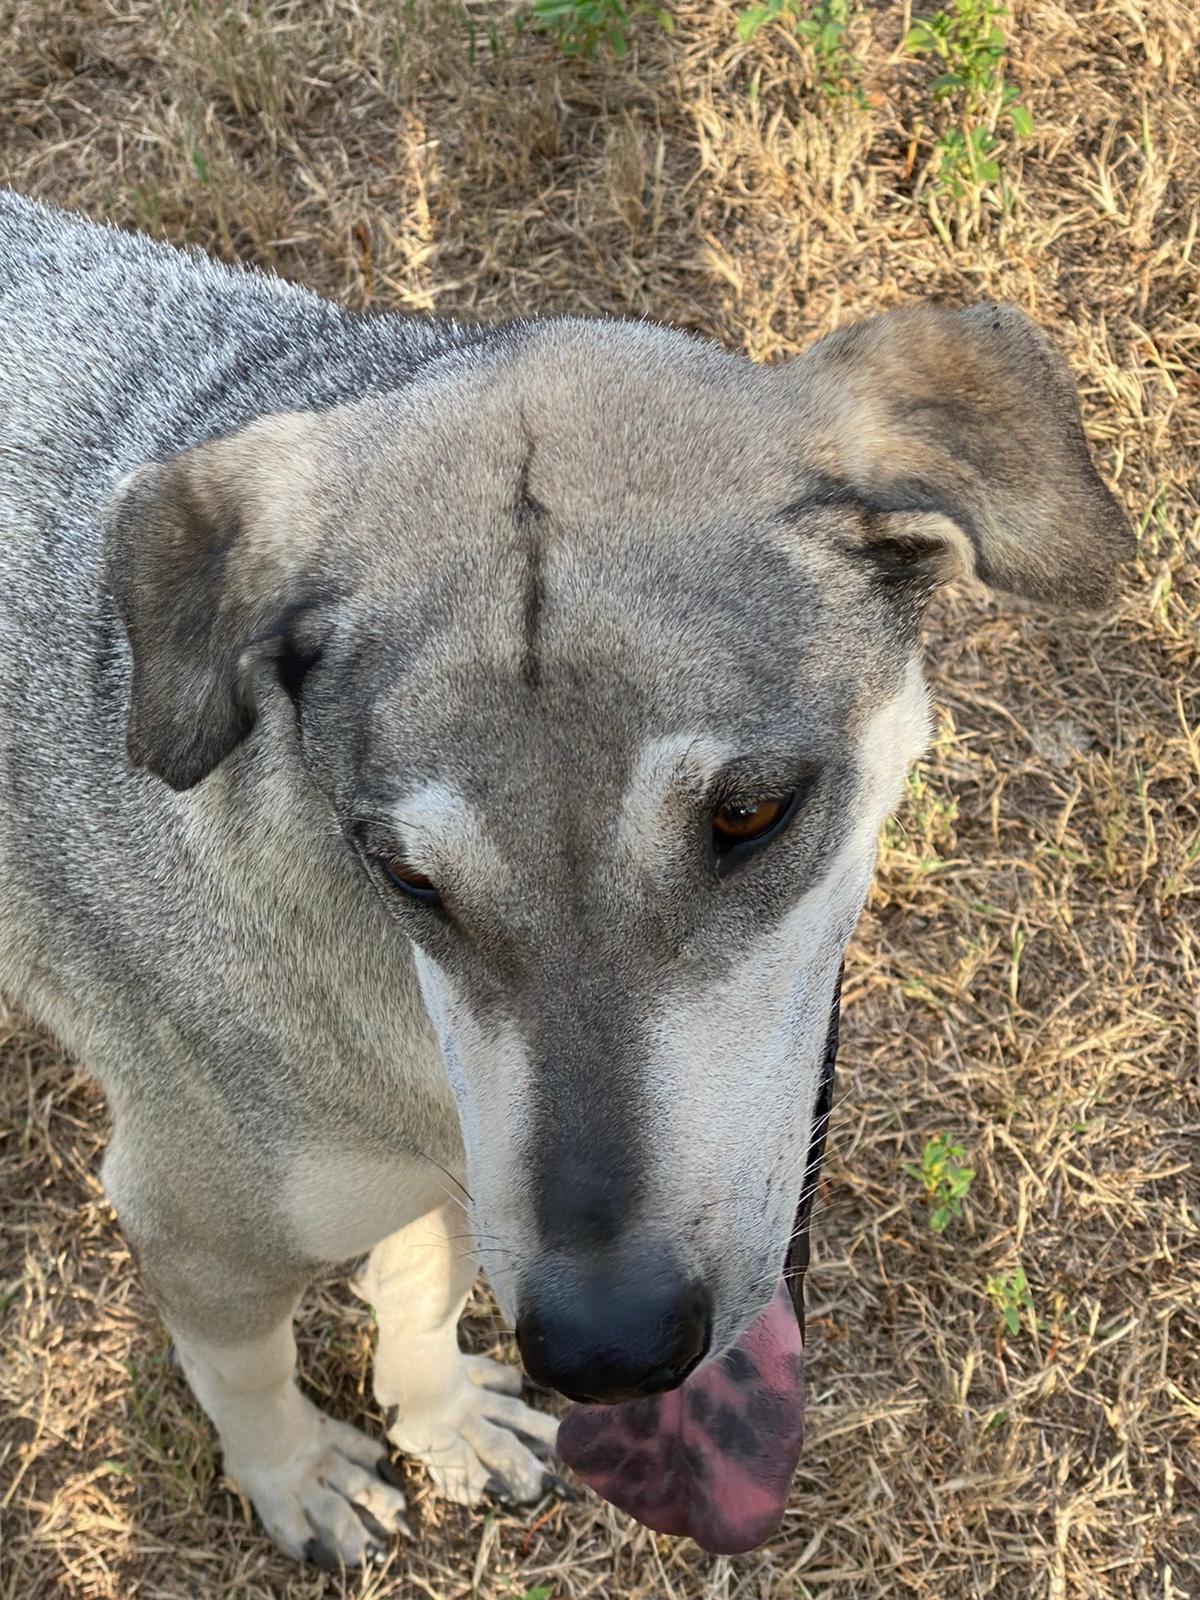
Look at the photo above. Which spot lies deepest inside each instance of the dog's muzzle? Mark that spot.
(714, 1457)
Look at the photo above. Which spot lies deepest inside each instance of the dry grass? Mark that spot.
(1026, 975)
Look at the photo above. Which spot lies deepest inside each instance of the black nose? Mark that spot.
(611, 1333)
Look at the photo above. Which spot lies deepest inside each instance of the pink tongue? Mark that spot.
(714, 1458)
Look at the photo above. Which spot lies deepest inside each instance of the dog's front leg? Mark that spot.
(325, 1491)
(460, 1415)
(315, 1483)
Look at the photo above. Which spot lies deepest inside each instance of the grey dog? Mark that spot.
(443, 759)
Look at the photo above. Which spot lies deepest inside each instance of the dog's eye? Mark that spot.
(739, 825)
(413, 883)
(735, 824)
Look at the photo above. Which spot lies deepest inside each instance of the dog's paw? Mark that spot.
(485, 1442)
(334, 1501)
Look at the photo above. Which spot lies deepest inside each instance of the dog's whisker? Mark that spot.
(445, 1171)
(480, 1242)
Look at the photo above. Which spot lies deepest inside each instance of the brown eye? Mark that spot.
(742, 824)
(413, 883)
(739, 822)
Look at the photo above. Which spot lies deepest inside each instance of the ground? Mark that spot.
(1024, 980)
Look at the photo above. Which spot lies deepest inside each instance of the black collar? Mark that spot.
(798, 1253)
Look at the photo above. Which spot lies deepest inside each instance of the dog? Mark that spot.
(442, 768)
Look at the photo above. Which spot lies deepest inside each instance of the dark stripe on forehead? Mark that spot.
(531, 667)
(528, 514)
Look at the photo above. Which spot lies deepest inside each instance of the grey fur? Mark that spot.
(510, 561)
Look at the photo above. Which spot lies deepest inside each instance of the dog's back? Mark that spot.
(114, 351)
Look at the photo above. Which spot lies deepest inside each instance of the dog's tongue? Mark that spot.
(714, 1458)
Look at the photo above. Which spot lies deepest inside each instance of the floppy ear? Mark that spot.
(958, 436)
(206, 557)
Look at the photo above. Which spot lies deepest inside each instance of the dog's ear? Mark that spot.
(957, 435)
(207, 558)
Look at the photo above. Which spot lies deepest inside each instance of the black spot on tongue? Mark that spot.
(714, 1458)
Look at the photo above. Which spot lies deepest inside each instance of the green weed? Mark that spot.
(1011, 1300)
(944, 1180)
(581, 26)
(199, 162)
(825, 29)
(968, 41)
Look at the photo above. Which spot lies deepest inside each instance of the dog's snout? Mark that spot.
(612, 1332)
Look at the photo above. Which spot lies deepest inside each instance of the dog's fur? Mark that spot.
(286, 590)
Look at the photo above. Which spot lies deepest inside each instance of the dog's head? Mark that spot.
(603, 645)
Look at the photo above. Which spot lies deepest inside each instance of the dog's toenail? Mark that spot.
(534, 1445)
(321, 1556)
(388, 1473)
